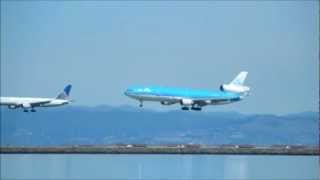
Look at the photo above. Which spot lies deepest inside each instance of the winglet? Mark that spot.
(66, 92)
(239, 80)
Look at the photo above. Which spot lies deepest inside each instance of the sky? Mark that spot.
(102, 48)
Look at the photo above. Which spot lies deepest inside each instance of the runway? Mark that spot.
(167, 149)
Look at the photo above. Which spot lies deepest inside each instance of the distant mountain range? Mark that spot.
(130, 125)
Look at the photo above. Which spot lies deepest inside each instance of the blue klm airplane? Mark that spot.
(189, 98)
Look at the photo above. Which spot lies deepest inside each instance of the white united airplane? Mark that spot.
(29, 103)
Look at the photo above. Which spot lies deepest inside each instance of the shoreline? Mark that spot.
(159, 149)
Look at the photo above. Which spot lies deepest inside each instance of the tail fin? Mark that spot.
(65, 93)
(239, 80)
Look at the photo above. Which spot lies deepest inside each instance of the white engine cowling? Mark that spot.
(234, 88)
(26, 105)
(186, 102)
(12, 106)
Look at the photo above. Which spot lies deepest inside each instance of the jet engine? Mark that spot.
(12, 106)
(234, 88)
(26, 105)
(186, 102)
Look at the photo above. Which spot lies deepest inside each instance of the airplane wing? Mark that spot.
(39, 103)
(202, 102)
(31, 103)
(206, 101)
(171, 101)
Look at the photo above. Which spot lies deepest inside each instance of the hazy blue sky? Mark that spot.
(104, 47)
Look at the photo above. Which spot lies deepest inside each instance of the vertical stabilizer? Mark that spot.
(66, 92)
(239, 80)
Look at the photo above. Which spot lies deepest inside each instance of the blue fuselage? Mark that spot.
(171, 94)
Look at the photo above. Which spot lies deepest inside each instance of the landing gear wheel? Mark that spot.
(196, 108)
(25, 110)
(141, 104)
(185, 108)
(33, 110)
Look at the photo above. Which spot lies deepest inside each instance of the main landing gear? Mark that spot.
(185, 108)
(32, 110)
(141, 104)
(196, 108)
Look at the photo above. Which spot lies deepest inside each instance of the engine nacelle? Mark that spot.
(234, 88)
(12, 106)
(186, 102)
(26, 105)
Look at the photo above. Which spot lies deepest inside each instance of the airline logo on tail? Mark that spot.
(65, 93)
(239, 80)
(236, 85)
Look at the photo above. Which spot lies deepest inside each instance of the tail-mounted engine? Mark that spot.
(234, 88)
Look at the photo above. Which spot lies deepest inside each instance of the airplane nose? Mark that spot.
(126, 93)
(129, 92)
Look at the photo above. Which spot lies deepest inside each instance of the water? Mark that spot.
(97, 166)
